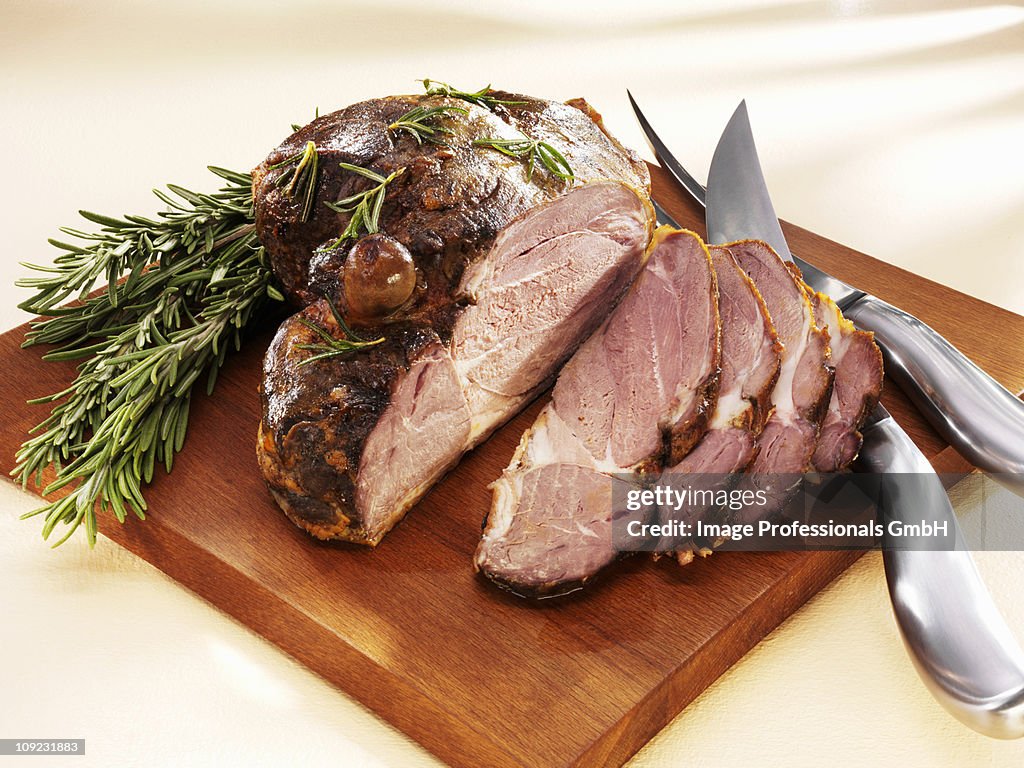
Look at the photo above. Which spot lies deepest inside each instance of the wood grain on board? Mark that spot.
(475, 675)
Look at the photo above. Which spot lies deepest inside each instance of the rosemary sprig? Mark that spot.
(301, 177)
(417, 122)
(193, 278)
(533, 150)
(480, 98)
(365, 206)
(333, 346)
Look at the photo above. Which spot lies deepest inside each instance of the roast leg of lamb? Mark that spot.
(474, 272)
(638, 393)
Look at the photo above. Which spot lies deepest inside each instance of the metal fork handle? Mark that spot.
(975, 413)
(960, 644)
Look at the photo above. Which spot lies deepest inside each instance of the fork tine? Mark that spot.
(666, 158)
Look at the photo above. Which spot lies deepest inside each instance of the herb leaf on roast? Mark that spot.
(481, 98)
(420, 122)
(301, 177)
(533, 151)
(365, 206)
(332, 346)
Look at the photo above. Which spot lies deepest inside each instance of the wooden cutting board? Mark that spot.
(479, 677)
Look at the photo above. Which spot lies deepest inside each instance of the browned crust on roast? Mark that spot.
(684, 435)
(300, 509)
(316, 418)
(586, 108)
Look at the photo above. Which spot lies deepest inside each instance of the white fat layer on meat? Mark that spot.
(730, 409)
(508, 489)
(839, 328)
(488, 409)
(782, 395)
(540, 449)
(536, 449)
(681, 404)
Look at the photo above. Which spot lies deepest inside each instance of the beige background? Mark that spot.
(894, 128)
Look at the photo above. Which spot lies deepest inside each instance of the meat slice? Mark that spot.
(349, 443)
(638, 393)
(801, 395)
(551, 278)
(751, 355)
(858, 385)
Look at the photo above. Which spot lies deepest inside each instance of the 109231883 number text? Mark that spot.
(42, 746)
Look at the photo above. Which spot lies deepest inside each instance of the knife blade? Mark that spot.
(978, 416)
(958, 641)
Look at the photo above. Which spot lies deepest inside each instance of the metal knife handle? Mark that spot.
(955, 635)
(979, 417)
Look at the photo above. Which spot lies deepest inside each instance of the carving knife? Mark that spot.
(958, 641)
(977, 415)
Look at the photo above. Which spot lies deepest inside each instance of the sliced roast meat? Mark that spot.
(751, 355)
(801, 394)
(549, 530)
(348, 443)
(638, 393)
(549, 280)
(858, 385)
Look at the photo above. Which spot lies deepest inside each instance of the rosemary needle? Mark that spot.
(481, 98)
(421, 122)
(533, 150)
(331, 346)
(300, 177)
(365, 206)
